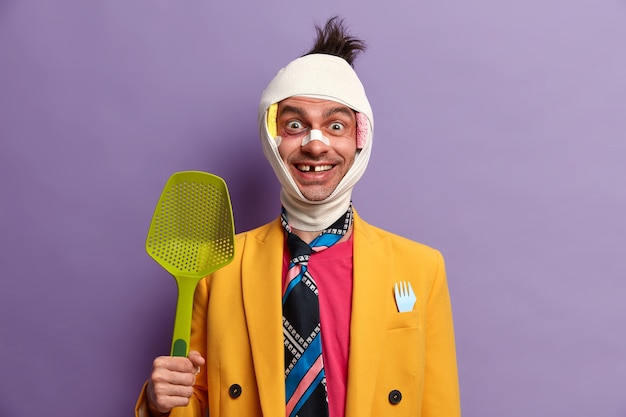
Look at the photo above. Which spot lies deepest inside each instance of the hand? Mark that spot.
(171, 382)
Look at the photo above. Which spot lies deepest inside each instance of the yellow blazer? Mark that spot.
(400, 364)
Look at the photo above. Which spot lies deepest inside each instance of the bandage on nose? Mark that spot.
(315, 135)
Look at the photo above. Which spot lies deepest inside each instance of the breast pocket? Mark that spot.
(406, 320)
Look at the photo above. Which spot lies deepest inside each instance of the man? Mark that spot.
(360, 323)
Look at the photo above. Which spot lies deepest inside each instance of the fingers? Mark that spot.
(163, 400)
(171, 382)
(172, 364)
(173, 371)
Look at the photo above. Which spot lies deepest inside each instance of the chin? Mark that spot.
(316, 196)
(316, 192)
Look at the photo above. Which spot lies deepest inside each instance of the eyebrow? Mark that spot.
(292, 109)
(343, 109)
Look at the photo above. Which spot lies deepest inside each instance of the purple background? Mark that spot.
(500, 140)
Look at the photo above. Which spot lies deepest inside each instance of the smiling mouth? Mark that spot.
(313, 168)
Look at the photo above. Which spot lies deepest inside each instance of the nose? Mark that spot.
(315, 143)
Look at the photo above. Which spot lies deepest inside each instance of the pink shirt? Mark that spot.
(332, 271)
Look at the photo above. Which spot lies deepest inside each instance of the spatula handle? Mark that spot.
(184, 309)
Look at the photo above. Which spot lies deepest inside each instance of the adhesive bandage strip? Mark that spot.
(315, 135)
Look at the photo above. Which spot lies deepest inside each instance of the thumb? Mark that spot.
(196, 358)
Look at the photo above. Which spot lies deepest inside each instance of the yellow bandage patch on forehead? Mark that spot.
(272, 113)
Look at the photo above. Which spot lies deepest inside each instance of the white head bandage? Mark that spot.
(325, 77)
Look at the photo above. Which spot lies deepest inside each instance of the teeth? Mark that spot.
(317, 168)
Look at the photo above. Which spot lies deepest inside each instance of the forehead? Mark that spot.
(312, 106)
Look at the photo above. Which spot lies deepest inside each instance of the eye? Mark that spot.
(336, 128)
(295, 125)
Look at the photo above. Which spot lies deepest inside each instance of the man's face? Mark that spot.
(317, 168)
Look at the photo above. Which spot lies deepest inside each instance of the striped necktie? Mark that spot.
(305, 380)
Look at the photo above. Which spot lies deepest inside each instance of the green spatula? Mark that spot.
(191, 236)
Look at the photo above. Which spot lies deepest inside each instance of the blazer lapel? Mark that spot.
(262, 288)
(368, 319)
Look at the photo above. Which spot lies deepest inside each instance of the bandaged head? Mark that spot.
(325, 77)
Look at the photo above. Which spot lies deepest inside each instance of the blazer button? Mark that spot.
(234, 391)
(395, 397)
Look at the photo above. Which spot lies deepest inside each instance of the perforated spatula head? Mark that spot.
(191, 236)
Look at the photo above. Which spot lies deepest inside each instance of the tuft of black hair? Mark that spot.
(334, 39)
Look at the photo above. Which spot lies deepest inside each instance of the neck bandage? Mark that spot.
(325, 77)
